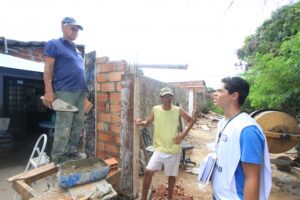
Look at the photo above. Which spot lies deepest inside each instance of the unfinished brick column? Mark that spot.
(108, 100)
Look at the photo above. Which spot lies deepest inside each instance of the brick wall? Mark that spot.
(108, 98)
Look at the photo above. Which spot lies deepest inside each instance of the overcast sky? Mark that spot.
(204, 34)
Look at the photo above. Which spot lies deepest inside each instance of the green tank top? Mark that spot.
(165, 129)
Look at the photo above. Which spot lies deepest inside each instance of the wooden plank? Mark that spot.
(35, 174)
(15, 177)
(283, 136)
(23, 189)
(21, 182)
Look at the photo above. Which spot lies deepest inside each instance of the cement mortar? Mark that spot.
(80, 166)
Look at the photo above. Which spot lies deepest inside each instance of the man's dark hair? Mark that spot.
(239, 85)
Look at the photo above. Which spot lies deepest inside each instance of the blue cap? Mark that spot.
(71, 21)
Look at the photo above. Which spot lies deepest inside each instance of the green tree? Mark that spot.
(272, 57)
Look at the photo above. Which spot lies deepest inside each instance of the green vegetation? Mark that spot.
(212, 107)
(272, 57)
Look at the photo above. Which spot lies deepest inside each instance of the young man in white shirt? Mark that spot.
(242, 169)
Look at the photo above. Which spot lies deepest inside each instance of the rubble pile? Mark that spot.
(161, 193)
(207, 121)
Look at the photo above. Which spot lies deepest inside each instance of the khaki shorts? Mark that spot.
(169, 161)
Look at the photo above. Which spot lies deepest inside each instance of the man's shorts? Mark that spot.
(169, 161)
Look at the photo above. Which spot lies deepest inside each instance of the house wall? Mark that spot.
(200, 97)
(9, 72)
(197, 86)
(149, 96)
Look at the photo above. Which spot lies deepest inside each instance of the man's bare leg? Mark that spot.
(171, 182)
(146, 183)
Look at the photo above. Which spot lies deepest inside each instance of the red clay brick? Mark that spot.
(101, 106)
(115, 128)
(98, 135)
(103, 127)
(98, 87)
(98, 68)
(101, 60)
(112, 163)
(112, 148)
(115, 118)
(108, 67)
(115, 76)
(115, 108)
(114, 157)
(100, 146)
(115, 97)
(107, 87)
(118, 159)
(102, 97)
(110, 154)
(100, 126)
(101, 154)
(105, 117)
(102, 77)
(121, 67)
(103, 137)
(119, 86)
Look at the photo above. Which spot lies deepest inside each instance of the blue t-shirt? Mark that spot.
(252, 151)
(68, 72)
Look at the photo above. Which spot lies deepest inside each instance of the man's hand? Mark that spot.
(140, 122)
(178, 138)
(146, 122)
(48, 99)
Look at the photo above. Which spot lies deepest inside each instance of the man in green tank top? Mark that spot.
(166, 140)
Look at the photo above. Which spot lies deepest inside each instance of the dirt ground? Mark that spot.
(284, 186)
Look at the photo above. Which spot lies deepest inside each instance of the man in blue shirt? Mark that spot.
(64, 78)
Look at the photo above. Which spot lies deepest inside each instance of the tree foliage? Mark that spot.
(272, 55)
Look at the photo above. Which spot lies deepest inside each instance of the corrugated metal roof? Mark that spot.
(17, 43)
(19, 63)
